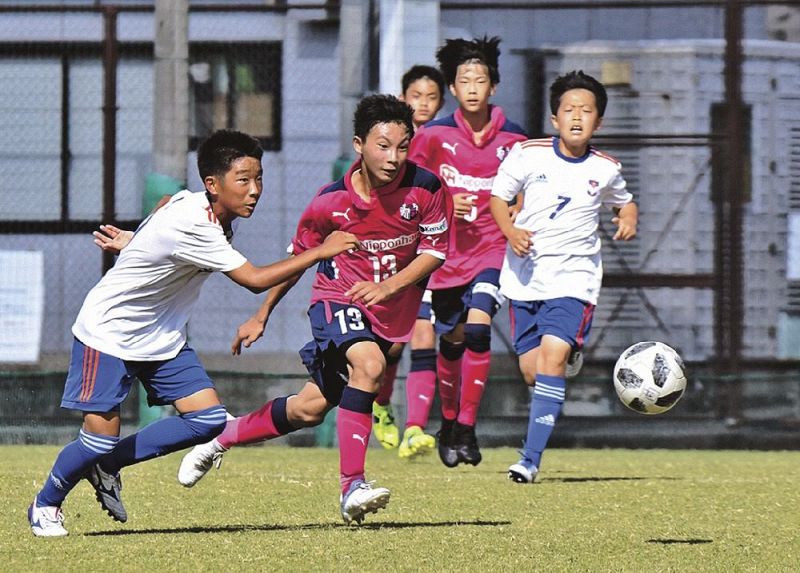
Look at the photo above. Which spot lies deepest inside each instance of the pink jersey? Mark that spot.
(405, 218)
(445, 146)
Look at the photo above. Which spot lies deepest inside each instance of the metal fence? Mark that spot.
(707, 129)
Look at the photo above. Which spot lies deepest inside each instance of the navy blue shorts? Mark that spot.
(452, 305)
(98, 382)
(335, 327)
(567, 318)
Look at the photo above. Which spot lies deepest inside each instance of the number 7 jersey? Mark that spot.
(403, 219)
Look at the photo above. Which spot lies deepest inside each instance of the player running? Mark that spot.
(359, 299)
(423, 90)
(465, 150)
(552, 269)
(132, 325)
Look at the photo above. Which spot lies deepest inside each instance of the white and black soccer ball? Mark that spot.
(649, 377)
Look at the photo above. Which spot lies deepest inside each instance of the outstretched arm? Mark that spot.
(259, 279)
(112, 239)
(371, 293)
(253, 328)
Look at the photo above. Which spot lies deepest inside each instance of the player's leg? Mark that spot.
(96, 383)
(353, 425)
(420, 386)
(483, 300)
(276, 418)
(562, 324)
(383, 423)
(450, 312)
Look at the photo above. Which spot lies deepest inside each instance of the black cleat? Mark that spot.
(465, 444)
(447, 452)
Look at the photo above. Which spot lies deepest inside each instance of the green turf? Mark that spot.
(275, 509)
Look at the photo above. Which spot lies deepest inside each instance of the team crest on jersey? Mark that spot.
(593, 188)
(409, 210)
(502, 151)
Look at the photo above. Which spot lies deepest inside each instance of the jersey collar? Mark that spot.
(580, 159)
(496, 121)
(385, 190)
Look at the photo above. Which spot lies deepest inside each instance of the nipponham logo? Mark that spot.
(376, 245)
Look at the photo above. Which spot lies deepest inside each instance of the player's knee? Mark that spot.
(207, 424)
(304, 413)
(451, 350)
(369, 370)
(478, 337)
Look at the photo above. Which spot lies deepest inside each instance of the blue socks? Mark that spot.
(548, 398)
(72, 464)
(166, 436)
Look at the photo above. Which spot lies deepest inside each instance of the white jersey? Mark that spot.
(561, 206)
(139, 309)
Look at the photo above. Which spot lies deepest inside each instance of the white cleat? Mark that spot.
(522, 472)
(46, 521)
(198, 461)
(362, 499)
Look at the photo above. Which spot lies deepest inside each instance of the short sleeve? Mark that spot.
(311, 229)
(511, 175)
(204, 245)
(435, 224)
(615, 193)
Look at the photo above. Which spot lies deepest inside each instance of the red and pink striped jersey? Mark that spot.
(446, 147)
(405, 218)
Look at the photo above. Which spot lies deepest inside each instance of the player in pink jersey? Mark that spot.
(423, 90)
(399, 214)
(465, 150)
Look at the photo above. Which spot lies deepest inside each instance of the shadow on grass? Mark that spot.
(605, 478)
(680, 541)
(303, 527)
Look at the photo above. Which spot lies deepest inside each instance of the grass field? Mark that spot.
(275, 509)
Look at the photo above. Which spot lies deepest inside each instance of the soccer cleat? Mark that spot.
(466, 444)
(46, 521)
(198, 461)
(415, 443)
(447, 451)
(522, 472)
(361, 499)
(574, 363)
(383, 426)
(107, 489)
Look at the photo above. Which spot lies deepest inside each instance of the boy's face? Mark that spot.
(473, 87)
(426, 99)
(384, 152)
(576, 119)
(239, 190)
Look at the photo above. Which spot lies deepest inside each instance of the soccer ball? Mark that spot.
(649, 377)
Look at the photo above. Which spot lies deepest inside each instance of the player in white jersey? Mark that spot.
(132, 325)
(552, 269)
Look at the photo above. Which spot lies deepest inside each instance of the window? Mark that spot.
(235, 87)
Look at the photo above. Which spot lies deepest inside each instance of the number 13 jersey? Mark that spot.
(407, 217)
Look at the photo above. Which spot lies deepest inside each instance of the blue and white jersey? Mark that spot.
(139, 309)
(561, 207)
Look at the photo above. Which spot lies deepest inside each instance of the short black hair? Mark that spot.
(577, 80)
(457, 51)
(418, 72)
(216, 154)
(381, 108)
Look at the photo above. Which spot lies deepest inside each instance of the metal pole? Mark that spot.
(171, 88)
(110, 58)
(731, 303)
